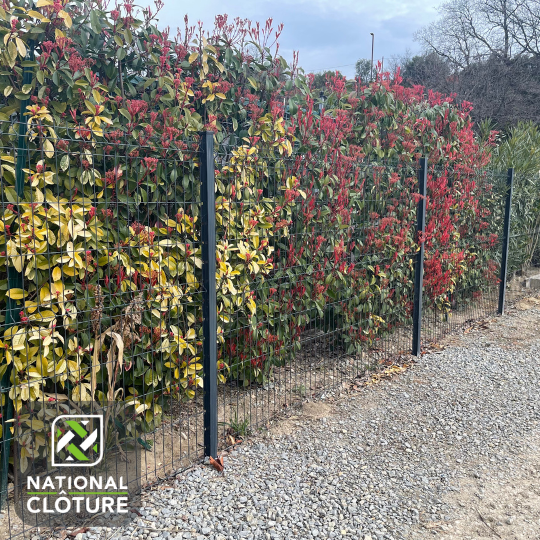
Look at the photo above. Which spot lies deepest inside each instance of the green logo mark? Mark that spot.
(77, 441)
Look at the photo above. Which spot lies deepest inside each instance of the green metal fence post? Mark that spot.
(208, 212)
(506, 240)
(419, 262)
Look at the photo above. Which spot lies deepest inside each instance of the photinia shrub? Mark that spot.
(315, 213)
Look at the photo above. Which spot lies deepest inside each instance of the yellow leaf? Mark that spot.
(21, 47)
(15, 294)
(35, 14)
(60, 367)
(35, 424)
(48, 148)
(57, 274)
(66, 17)
(43, 316)
(192, 57)
(18, 264)
(42, 3)
(19, 340)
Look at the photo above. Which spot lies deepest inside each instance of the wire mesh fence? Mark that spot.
(114, 306)
(524, 238)
(101, 304)
(464, 247)
(323, 304)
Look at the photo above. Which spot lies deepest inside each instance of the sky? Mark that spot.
(329, 34)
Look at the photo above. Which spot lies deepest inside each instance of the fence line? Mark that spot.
(258, 275)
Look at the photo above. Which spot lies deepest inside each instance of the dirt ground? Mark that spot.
(487, 506)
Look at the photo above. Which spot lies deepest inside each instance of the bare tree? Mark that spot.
(487, 52)
(470, 31)
(526, 26)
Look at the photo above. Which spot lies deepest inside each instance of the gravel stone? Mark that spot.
(389, 462)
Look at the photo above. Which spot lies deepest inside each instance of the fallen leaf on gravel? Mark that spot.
(217, 463)
(386, 374)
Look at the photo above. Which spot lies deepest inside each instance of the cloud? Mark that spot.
(381, 10)
(328, 33)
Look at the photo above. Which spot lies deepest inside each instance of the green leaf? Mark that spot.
(94, 21)
(125, 113)
(12, 52)
(59, 107)
(64, 163)
(91, 107)
(147, 445)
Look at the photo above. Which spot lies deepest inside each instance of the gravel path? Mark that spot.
(449, 449)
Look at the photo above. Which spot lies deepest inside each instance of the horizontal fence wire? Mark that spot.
(101, 286)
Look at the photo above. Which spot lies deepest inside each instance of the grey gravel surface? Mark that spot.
(427, 453)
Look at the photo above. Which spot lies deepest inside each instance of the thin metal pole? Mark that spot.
(208, 212)
(506, 240)
(419, 262)
(372, 49)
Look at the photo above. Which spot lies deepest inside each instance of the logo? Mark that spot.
(77, 474)
(77, 440)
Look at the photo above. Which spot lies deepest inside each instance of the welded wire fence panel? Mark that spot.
(101, 291)
(524, 242)
(103, 245)
(315, 278)
(463, 247)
